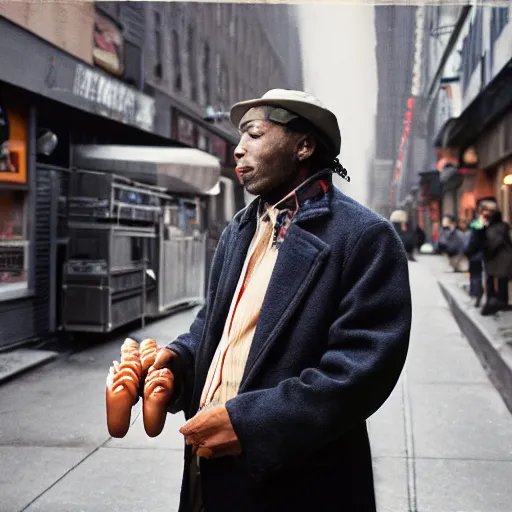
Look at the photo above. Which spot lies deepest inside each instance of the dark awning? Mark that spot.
(178, 170)
(484, 110)
(443, 136)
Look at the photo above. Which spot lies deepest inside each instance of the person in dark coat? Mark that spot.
(452, 242)
(399, 220)
(473, 250)
(304, 332)
(419, 238)
(497, 256)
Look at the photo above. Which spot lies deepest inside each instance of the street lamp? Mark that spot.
(46, 142)
(212, 115)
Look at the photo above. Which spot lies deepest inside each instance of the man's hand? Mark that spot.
(211, 433)
(163, 358)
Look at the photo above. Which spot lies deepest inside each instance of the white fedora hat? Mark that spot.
(300, 103)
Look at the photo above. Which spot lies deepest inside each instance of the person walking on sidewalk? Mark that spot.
(304, 333)
(399, 220)
(497, 256)
(473, 250)
(451, 242)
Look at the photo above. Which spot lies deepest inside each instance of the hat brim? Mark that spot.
(317, 116)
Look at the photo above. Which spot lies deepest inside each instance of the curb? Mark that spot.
(493, 351)
(19, 361)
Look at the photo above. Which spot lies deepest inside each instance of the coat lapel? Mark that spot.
(300, 259)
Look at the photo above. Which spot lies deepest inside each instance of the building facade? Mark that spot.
(128, 73)
(466, 88)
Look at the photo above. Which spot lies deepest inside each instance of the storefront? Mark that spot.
(17, 230)
(14, 239)
(48, 105)
(494, 150)
(483, 133)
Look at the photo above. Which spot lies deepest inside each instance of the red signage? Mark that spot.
(108, 48)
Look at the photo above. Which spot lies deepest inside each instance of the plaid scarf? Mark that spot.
(308, 192)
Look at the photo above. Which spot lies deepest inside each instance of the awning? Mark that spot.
(443, 136)
(484, 110)
(178, 170)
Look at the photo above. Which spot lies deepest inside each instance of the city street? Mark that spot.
(441, 443)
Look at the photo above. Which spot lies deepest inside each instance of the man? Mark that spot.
(496, 246)
(452, 242)
(399, 220)
(304, 332)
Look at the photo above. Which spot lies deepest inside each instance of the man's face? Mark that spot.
(266, 157)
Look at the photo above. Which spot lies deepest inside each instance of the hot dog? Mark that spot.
(157, 393)
(148, 350)
(123, 382)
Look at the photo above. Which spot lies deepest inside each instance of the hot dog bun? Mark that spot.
(158, 389)
(123, 382)
(148, 349)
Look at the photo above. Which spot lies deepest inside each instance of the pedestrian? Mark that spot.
(304, 332)
(452, 242)
(399, 220)
(419, 238)
(497, 257)
(473, 249)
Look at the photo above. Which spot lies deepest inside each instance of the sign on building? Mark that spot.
(114, 99)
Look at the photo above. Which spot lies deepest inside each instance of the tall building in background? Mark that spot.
(395, 35)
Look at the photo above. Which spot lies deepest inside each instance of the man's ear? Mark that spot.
(306, 147)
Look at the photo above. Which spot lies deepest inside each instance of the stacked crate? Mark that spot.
(112, 222)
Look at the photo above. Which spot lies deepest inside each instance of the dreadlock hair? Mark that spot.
(323, 157)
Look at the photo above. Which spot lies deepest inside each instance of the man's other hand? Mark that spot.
(211, 433)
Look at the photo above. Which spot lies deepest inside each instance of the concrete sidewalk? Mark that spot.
(443, 440)
(15, 362)
(490, 336)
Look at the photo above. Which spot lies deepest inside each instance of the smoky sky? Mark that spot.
(338, 47)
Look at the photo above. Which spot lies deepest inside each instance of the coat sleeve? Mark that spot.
(497, 237)
(366, 351)
(186, 345)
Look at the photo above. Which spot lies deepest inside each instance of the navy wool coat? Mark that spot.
(329, 347)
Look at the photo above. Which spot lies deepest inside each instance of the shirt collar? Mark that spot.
(313, 188)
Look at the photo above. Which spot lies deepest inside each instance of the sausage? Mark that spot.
(158, 388)
(148, 349)
(122, 385)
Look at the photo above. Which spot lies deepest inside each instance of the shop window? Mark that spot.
(14, 244)
(133, 64)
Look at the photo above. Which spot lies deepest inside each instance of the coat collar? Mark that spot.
(301, 258)
(311, 202)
